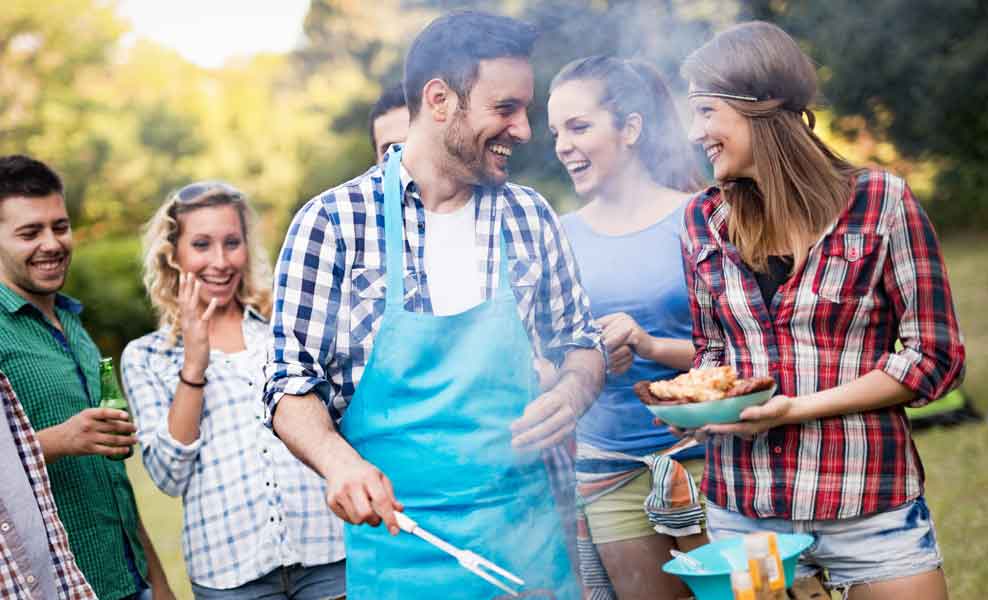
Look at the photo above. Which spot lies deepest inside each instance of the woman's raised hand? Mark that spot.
(195, 326)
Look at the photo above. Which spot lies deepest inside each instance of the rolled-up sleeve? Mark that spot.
(565, 321)
(931, 361)
(306, 302)
(169, 463)
(708, 336)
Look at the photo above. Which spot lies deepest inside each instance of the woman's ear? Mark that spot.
(437, 99)
(632, 129)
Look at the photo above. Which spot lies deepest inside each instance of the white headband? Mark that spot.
(704, 93)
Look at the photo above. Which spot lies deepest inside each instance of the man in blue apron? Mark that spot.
(410, 303)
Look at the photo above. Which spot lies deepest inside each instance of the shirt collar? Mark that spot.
(409, 191)
(251, 313)
(12, 302)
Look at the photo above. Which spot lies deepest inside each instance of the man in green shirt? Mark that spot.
(53, 366)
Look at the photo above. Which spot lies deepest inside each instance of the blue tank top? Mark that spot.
(640, 274)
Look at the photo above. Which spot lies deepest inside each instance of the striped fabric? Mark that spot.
(330, 282)
(673, 506)
(876, 276)
(69, 580)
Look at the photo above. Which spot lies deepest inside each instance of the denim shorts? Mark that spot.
(322, 582)
(897, 543)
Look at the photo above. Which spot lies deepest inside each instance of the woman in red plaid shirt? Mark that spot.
(805, 268)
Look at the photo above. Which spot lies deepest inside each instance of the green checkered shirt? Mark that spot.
(93, 495)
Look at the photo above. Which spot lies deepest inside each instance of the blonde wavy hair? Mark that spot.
(803, 185)
(161, 235)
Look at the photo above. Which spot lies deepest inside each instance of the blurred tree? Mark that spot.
(915, 70)
(46, 49)
(105, 276)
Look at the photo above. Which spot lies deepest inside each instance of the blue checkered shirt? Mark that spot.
(330, 282)
(250, 505)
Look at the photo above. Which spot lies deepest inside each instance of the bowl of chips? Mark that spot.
(704, 396)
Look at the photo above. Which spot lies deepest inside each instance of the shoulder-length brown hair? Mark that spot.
(802, 185)
(161, 235)
(634, 86)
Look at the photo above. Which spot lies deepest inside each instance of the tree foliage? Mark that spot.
(915, 70)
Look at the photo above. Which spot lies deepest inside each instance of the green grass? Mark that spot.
(955, 458)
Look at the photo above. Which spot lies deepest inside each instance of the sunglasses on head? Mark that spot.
(195, 191)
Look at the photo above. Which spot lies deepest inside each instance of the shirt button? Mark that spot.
(30, 578)
(5, 527)
(777, 449)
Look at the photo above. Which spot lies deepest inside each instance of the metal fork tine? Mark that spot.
(484, 563)
(487, 576)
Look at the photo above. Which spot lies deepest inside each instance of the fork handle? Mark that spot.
(405, 522)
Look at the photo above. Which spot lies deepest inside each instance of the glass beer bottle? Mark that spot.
(112, 397)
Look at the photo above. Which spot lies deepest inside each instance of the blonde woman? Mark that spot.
(256, 524)
(805, 268)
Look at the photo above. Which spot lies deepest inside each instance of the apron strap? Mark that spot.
(394, 250)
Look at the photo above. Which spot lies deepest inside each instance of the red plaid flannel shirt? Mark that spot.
(69, 580)
(875, 277)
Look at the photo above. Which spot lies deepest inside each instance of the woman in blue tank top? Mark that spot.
(619, 137)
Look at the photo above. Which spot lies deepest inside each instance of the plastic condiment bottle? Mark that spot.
(765, 566)
(742, 586)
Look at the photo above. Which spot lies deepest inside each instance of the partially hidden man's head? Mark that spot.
(35, 233)
(468, 75)
(388, 122)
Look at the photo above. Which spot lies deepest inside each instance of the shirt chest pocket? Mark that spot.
(849, 265)
(368, 288)
(708, 267)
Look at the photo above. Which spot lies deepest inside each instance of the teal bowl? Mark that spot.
(717, 559)
(698, 414)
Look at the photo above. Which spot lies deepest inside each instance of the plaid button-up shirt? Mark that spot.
(55, 374)
(330, 281)
(250, 506)
(874, 278)
(16, 580)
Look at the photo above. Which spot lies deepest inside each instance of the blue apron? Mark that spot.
(432, 411)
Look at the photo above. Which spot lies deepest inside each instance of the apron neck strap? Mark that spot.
(394, 247)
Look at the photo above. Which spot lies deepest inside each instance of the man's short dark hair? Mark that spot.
(393, 97)
(451, 48)
(24, 176)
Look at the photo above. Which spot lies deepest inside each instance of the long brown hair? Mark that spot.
(802, 185)
(161, 236)
(634, 86)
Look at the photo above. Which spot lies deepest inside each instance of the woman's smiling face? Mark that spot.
(211, 246)
(725, 135)
(588, 144)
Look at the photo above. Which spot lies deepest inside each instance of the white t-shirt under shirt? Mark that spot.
(451, 258)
